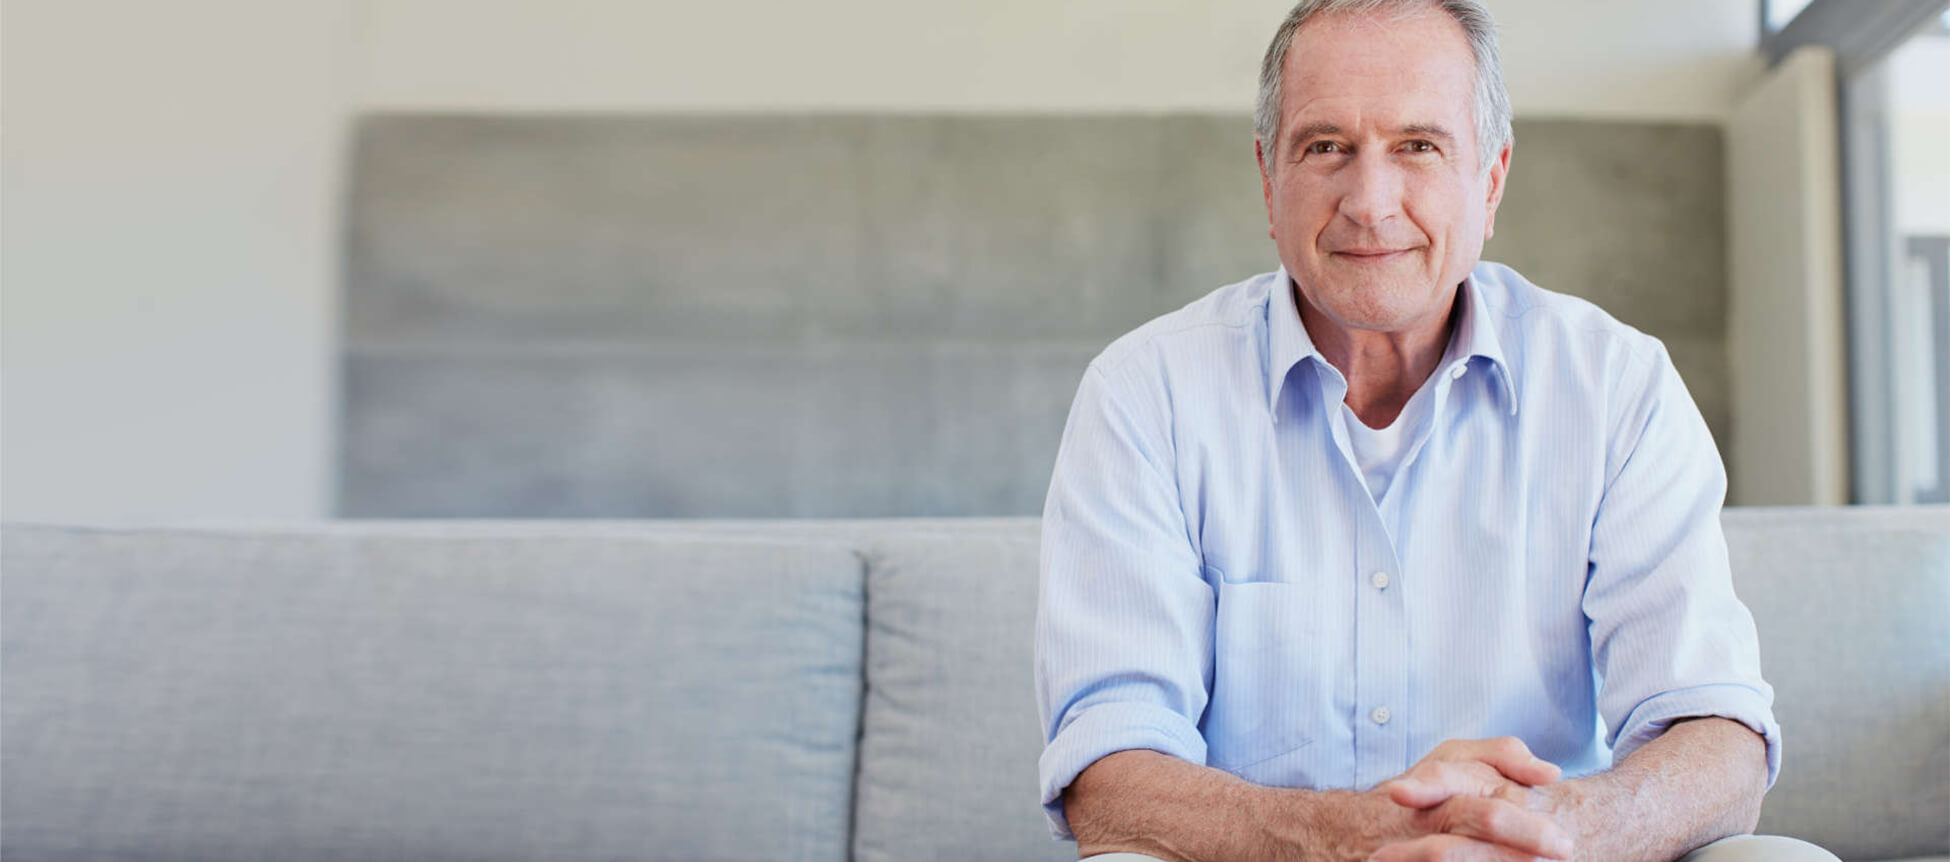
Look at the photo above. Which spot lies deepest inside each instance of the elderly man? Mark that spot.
(1391, 554)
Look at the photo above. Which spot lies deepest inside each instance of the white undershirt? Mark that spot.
(1379, 451)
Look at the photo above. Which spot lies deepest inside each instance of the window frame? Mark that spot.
(1860, 32)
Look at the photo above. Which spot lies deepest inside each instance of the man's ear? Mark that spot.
(1499, 171)
(1265, 182)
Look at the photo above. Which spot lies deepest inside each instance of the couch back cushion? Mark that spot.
(1853, 611)
(948, 757)
(340, 693)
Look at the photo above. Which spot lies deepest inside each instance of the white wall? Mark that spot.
(171, 172)
(1659, 59)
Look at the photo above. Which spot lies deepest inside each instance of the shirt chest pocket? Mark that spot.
(1267, 682)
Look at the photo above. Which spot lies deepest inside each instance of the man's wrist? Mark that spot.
(1571, 803)
(1328, 825)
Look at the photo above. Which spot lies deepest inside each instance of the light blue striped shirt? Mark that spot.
(1547, 563)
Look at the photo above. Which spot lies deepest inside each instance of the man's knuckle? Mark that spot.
(1449, 817)
(1465, 815)
(1474, 778)
(1496, 818)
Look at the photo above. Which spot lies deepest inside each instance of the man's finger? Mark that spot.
(1433, 782)
(1470, 767)
(1511, 757)
(1447, 848)
(1410, 793)
(1499, 822)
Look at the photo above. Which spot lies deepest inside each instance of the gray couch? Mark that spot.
(730, 690)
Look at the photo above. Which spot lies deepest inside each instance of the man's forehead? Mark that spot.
(1391, 70)
(1418, 113)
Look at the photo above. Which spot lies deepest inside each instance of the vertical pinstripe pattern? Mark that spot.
(1217, 583)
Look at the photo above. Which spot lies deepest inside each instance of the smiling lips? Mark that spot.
(1370, 255)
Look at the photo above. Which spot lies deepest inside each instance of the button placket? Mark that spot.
(1381, 659)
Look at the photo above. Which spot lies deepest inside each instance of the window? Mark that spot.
(1892, 57)
(1916, 121)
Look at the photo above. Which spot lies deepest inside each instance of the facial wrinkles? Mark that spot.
(1367, 199)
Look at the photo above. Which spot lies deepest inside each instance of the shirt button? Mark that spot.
(1380, 715)
(1457, 372)
(1379, 579)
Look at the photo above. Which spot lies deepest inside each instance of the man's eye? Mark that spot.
(1420, 147)
(1323, 148)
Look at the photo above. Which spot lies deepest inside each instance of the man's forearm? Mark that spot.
(1700, 781)
(1158, 805)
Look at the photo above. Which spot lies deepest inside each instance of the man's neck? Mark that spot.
(1383, 369)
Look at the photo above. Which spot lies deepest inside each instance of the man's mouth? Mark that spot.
(1370, 255)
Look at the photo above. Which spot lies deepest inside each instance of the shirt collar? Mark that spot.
(1287, 340)
(1289, 343)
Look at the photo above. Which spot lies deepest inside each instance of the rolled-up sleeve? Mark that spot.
(1669, 637)
(1124, 620)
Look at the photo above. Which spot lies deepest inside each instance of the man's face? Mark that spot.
(1376, 196)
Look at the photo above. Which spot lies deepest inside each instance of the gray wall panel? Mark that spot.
(600, 229)
(641, 316)
(1628, 215)
(1011, 228)
(680, 430)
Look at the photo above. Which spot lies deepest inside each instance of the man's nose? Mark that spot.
(1372, 193)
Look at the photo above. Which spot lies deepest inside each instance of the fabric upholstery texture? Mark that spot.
(180, 694)
(1853, 611)
(950, 742)
(693, 690)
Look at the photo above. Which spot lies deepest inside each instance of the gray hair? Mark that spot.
(1492, 108)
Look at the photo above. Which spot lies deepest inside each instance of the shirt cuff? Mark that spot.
(1735, 702)
(1106, 729)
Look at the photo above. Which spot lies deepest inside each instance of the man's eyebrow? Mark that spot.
(1314, 130)
(1427, 130)
(1421, 130)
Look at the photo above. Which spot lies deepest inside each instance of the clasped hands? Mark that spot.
(1477, 799)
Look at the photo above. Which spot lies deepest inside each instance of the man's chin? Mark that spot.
(1383, 307)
